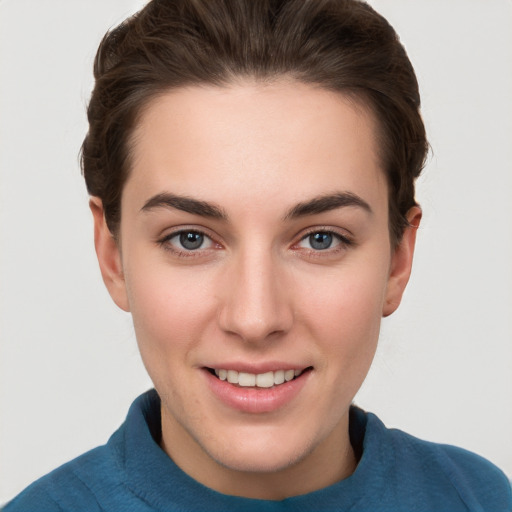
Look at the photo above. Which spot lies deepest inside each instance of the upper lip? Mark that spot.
(256, 368)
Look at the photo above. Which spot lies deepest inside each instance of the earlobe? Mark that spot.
(401, 263)
(109, 256)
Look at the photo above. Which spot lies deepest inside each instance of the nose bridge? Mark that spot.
(255, 303)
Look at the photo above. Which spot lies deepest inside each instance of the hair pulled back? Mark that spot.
(340, 45)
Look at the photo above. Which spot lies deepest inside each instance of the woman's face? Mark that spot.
(254, 245)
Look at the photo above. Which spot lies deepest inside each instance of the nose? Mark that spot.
(256, 305)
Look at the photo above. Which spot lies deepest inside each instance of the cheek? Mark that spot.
(344, 317)
(350, 300)
(167, 307)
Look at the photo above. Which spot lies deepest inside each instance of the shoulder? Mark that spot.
(443, 470)
(476, 478)
(99, 479)
(77, 485)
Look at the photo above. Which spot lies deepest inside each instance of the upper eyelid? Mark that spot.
(165, 239)
(186, 229)
(165, 244)
(345, 241)
(342, 233)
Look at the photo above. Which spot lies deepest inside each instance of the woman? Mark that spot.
(251, 167)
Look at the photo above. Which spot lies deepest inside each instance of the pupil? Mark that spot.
(320, 241)
(191, 240)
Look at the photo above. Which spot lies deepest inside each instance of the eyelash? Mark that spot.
(344, 242)
(164, 242)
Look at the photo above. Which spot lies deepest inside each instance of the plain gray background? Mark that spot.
(69, 362)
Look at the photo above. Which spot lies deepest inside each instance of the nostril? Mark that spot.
(257, 309)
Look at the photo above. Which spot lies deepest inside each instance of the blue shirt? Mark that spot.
(396, 472)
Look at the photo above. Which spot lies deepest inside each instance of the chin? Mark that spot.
(259, 463)
(262, 454)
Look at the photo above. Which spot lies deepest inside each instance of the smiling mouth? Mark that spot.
(260, 380)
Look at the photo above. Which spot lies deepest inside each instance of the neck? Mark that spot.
(327, 463)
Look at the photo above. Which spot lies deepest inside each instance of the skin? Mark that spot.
(256, 291)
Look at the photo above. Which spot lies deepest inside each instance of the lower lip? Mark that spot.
(256, 400)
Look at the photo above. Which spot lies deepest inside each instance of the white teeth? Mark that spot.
(233, 376)
(265, 380)
(278, 377)
(246, 379)
(261, 380)
(288, 375)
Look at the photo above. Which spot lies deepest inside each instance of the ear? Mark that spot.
(109, 256)
(401, 263)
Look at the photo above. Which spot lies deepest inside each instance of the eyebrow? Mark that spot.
(185, 204)
(326, 203)
(204, 209)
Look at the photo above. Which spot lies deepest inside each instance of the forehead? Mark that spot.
(256, 141)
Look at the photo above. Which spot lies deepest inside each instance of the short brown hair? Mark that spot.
(340, 45)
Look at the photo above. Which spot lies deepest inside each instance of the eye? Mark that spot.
(322, 240)
(188, 240)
